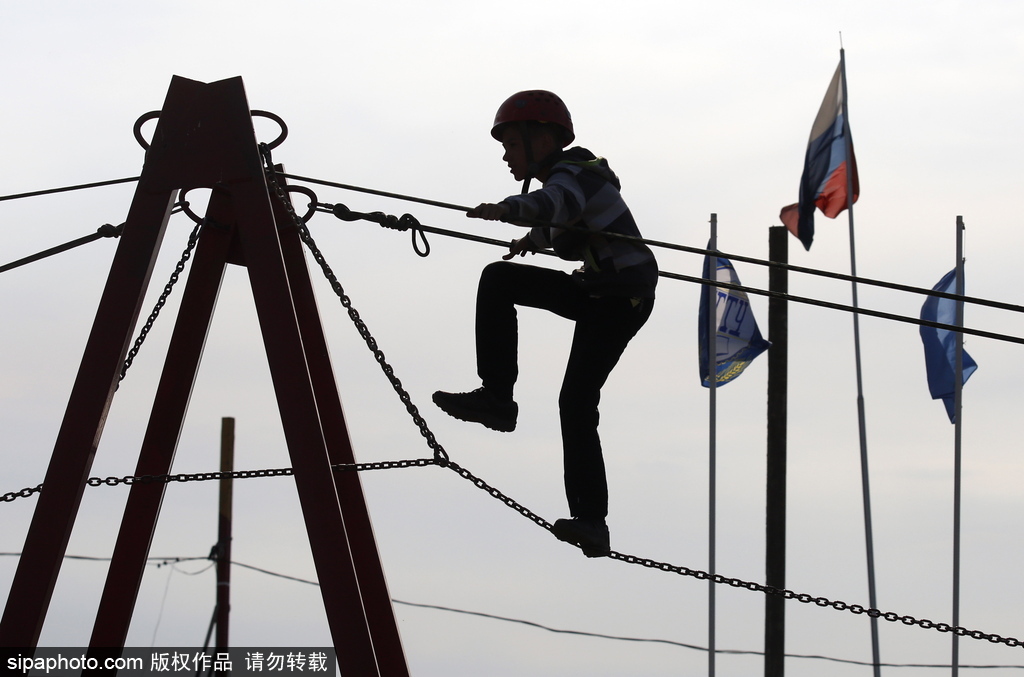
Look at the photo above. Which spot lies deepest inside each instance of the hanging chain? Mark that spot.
(441, 459)
(178, 269)
(718, 579)
(440, 455)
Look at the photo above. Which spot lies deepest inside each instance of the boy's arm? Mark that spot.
(490, 212)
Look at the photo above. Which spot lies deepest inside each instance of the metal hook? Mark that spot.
(137, 129)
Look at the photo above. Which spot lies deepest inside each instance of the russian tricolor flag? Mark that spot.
(828, 163)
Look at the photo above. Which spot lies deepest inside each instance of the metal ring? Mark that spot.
(284, 128)
(137, 129)
(308, 192)
(184, 204)
(152, 115)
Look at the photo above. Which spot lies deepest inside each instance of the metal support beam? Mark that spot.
(380, 613)
(205, 139)
(138, 524)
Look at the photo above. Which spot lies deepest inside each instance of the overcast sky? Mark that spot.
(701, 108)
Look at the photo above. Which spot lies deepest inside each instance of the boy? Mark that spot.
(610, 297)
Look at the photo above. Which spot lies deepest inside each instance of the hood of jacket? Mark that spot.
(586, 161)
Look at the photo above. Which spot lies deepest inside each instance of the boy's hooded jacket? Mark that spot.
(581, 190)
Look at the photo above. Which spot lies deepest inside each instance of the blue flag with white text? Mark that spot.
(738, 340)
(940, 346)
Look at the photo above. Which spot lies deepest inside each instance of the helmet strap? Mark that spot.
(531, 164)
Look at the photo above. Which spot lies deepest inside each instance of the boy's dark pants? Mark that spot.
(604, 326)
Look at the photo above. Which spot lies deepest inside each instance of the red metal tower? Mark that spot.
(204, 138)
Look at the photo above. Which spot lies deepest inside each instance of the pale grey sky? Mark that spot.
(701, 108)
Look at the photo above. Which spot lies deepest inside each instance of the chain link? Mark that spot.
(24, 493)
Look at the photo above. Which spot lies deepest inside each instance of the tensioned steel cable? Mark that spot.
(408, 222)
(81, 186)
(106, 230)
(654, 243)
(673, 246)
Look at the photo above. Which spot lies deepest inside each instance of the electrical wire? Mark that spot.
(531, 624)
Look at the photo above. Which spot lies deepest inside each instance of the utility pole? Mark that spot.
(775, 513)
(227, 465)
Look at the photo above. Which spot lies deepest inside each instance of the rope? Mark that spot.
(408, 221)
(655, 243)
(106, 230)
(674, 247)
(850, 309)
(65, 189)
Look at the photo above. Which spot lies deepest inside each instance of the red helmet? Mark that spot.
(535, 105)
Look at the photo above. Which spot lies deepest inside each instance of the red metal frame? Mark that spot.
(204, 138)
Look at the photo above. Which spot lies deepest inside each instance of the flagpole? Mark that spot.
(862, 425)
(958, 386)
(712, 319)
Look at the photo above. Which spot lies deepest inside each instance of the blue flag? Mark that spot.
(738, 339)
(940, 346)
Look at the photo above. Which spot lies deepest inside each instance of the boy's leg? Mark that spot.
(602, 332)
(503, 286)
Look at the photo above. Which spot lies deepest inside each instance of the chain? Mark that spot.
(718, 579)
(440, 455)
(24, 493)
(481, 484)
(441, 459)
(817, 601)
(178, 269)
